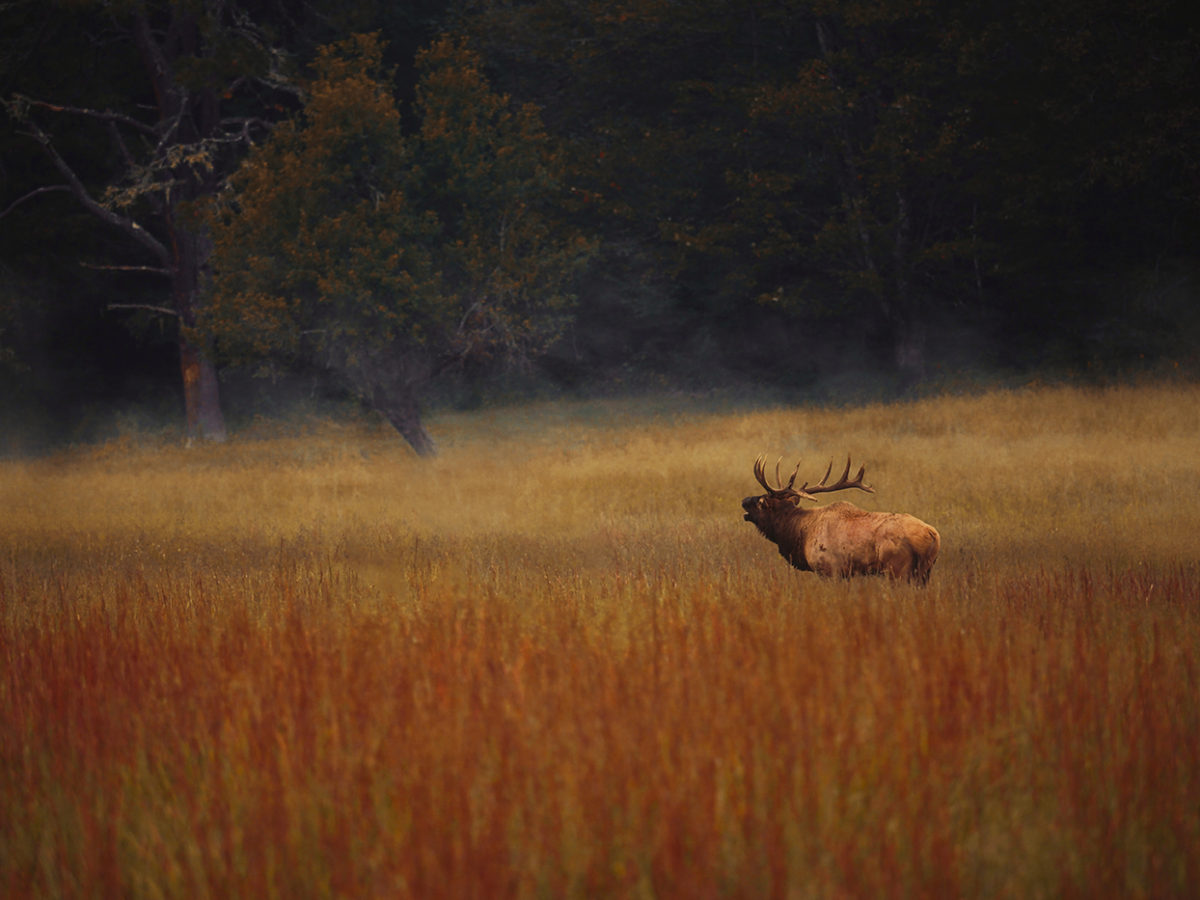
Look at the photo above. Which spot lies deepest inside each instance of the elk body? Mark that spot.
(840, 539)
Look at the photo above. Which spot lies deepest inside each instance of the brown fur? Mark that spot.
(843, 540)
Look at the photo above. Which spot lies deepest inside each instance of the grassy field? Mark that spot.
(555, 662)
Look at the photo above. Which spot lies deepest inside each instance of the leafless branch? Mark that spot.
(103, 115)
(152, 270)
(114, 135)
(42, 190)
(126, 224)
(162, 310)
(238, 128)
(168, 134)
(159, 71)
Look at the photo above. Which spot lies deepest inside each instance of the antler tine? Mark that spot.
(779, 480)
(792, 480)
(843, 483)
(759, 474)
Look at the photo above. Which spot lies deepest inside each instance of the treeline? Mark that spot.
(590, 194)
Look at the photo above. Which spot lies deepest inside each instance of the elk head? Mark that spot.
(782, 500)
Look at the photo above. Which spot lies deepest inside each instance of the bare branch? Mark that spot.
(171, 131)
(237, 128)
(126, 224)
(161, 310)
(103, 115)
(42, 190)
(152, 270)
(114, 135)
(152, 54)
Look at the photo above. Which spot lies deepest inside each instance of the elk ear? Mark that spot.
(803, 495)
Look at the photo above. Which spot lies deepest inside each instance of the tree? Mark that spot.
(166, 144)
(649, 98)
(386, 257)
(882, 166)
(872, 204)
(140, 108)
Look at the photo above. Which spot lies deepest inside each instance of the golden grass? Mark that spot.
(555, 662)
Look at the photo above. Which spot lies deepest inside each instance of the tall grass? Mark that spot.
(555, 662)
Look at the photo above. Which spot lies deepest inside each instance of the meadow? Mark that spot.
(555, 662)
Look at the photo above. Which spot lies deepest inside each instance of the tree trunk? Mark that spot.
(201, 395)
(909, 329)
(400, 407)
(909, 345)
(201, 391)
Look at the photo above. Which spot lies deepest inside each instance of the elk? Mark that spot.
(840, 539)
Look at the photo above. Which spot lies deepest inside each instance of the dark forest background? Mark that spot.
(799, 200)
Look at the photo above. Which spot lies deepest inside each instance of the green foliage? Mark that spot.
(343, 237)
(877, 164)
(491, 172)
(315, 229)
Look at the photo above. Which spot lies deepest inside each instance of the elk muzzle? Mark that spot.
(749, 505)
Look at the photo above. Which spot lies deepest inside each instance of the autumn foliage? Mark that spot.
(387, 253)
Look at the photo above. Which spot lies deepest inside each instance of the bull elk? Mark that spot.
(840, 539)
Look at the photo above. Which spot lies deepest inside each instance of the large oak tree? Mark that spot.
(159, 146)
(388, 255)
(140, 109)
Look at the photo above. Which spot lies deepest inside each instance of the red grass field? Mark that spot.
(541, 668)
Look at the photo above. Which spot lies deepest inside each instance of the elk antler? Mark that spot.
(761, 475)
(843, 483)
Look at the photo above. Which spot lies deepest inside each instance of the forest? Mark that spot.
(217, 210)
